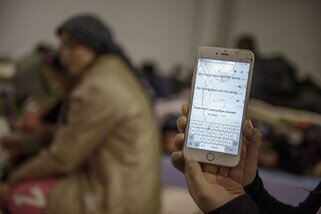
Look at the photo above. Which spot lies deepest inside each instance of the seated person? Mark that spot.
(219, 189)
(37, 125)
(106, 151)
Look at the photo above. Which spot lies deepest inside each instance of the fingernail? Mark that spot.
(250, 123)
(179, 154)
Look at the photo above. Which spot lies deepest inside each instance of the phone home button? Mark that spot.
(210, 156)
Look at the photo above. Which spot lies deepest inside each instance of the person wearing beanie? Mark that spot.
(105, 155)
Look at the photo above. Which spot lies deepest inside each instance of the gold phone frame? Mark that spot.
(226, 54)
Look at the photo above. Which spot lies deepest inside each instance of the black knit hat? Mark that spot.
(91, 32)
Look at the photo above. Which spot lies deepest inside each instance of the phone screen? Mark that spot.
(217, 105)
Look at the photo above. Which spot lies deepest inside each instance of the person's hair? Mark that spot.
(53, 62)
(247, 42)
(91, 32)
(148, 68)
(43, 48)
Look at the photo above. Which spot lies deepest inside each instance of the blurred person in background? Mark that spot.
(181, 78)
(7, 90)
(30, 79)
(37, 124)
(161, 86)
(169, 131)
(277, 82)
(106, 151)
(7, 103)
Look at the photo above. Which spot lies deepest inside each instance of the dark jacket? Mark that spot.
(258, 200)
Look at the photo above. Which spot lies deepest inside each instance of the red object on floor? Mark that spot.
(30, 197)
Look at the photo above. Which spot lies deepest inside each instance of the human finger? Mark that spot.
(253, 140)
(210, 168)
(179, 141)
(181, 123)
(224, 170)
(237, 172)
(178, 161)
(185, 109)
(196, 182)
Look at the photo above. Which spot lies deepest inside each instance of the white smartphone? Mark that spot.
(220, 91)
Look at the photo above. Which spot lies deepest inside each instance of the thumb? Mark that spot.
(253, 145)
(195, 179)
(253, 140)
(198, 187)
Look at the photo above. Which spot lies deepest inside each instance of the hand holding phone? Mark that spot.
(252, 139)
(220, 91)
(211, 185)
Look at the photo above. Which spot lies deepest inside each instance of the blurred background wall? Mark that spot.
(169, 31)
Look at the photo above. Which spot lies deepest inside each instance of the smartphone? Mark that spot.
(220, 91)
